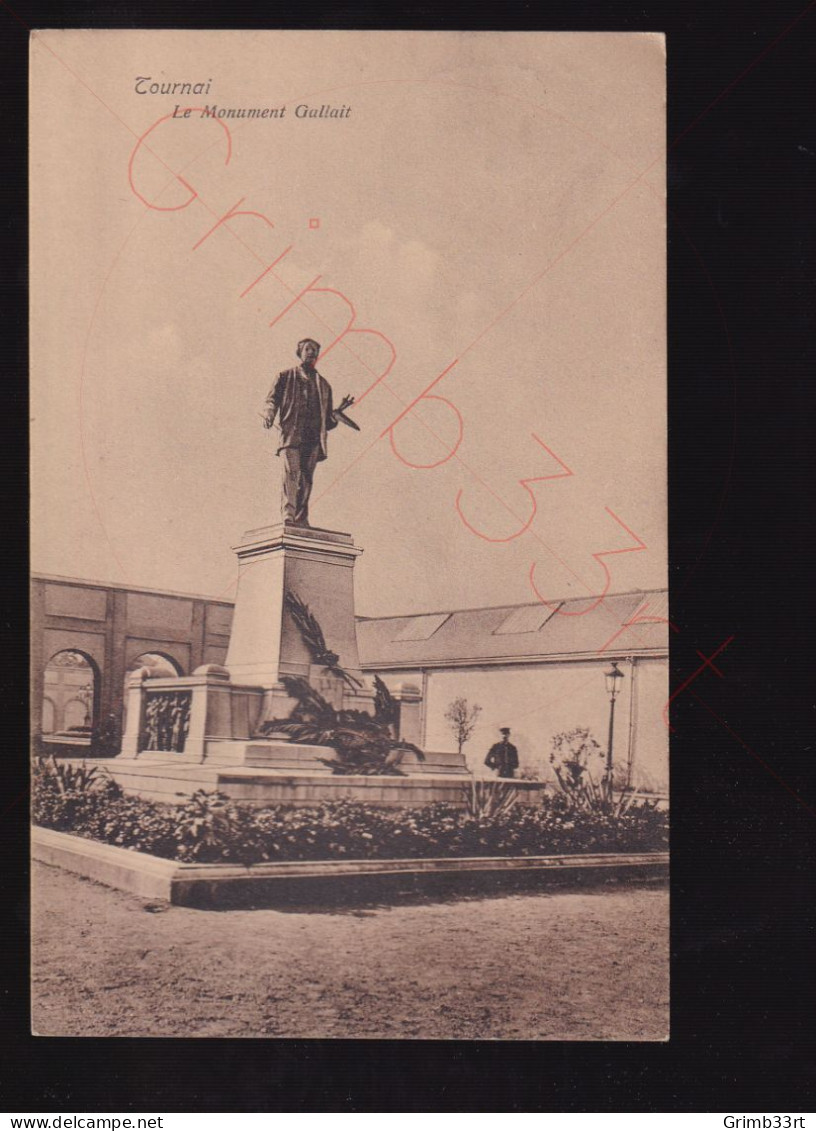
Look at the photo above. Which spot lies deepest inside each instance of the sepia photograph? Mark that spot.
(349, 611)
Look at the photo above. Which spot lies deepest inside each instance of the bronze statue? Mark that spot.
(301, 399)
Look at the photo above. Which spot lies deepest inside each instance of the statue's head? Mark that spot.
(505, 731)
(308, 350)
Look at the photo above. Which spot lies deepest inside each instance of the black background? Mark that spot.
(741, 231)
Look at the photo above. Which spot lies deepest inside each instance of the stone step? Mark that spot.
(280, 755)
(435, 762)
(172, 780)
(169, 783)
(277, 754)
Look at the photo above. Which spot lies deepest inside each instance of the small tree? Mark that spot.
(462, 719)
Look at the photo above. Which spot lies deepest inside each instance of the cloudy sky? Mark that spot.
(491, 206)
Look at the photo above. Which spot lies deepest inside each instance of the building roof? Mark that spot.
(83, 583)
(569, 629)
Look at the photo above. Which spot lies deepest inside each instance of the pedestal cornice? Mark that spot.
(286, 536)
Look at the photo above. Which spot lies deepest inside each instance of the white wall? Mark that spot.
(539, 701)
(652, 733)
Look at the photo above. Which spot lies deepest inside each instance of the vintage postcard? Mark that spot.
(350, 610)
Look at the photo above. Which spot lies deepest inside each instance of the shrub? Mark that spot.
(65, 795)
(209, 827)
(489, 798)
(572, 757)
(87, 802)
(106, 741)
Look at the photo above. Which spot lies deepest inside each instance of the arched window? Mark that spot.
(159, 664)
(70, 695)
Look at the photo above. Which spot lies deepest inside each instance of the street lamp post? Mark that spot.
(613, 681)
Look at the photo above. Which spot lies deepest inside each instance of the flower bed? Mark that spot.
(209, 828)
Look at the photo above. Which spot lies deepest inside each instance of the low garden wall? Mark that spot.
(221, 886)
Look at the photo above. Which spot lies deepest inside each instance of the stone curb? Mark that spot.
(203, 885)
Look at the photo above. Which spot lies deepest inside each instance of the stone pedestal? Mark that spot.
(202, 730)
(222, 707)
(317, 566)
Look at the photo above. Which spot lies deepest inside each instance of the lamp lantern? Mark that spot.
(613, 681)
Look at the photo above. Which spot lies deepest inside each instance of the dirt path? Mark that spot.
(585, 966)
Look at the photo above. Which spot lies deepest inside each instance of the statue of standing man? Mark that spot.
(301, 399)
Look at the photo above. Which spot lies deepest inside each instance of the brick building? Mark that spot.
(537, 669)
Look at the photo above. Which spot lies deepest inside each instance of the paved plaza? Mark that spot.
(565, 965)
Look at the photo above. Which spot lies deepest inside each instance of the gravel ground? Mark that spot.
(588, 965)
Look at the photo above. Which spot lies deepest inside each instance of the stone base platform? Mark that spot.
(292, 757)
(166, 778)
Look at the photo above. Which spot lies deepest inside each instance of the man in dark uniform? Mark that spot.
(503, 756)
(302, 401)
